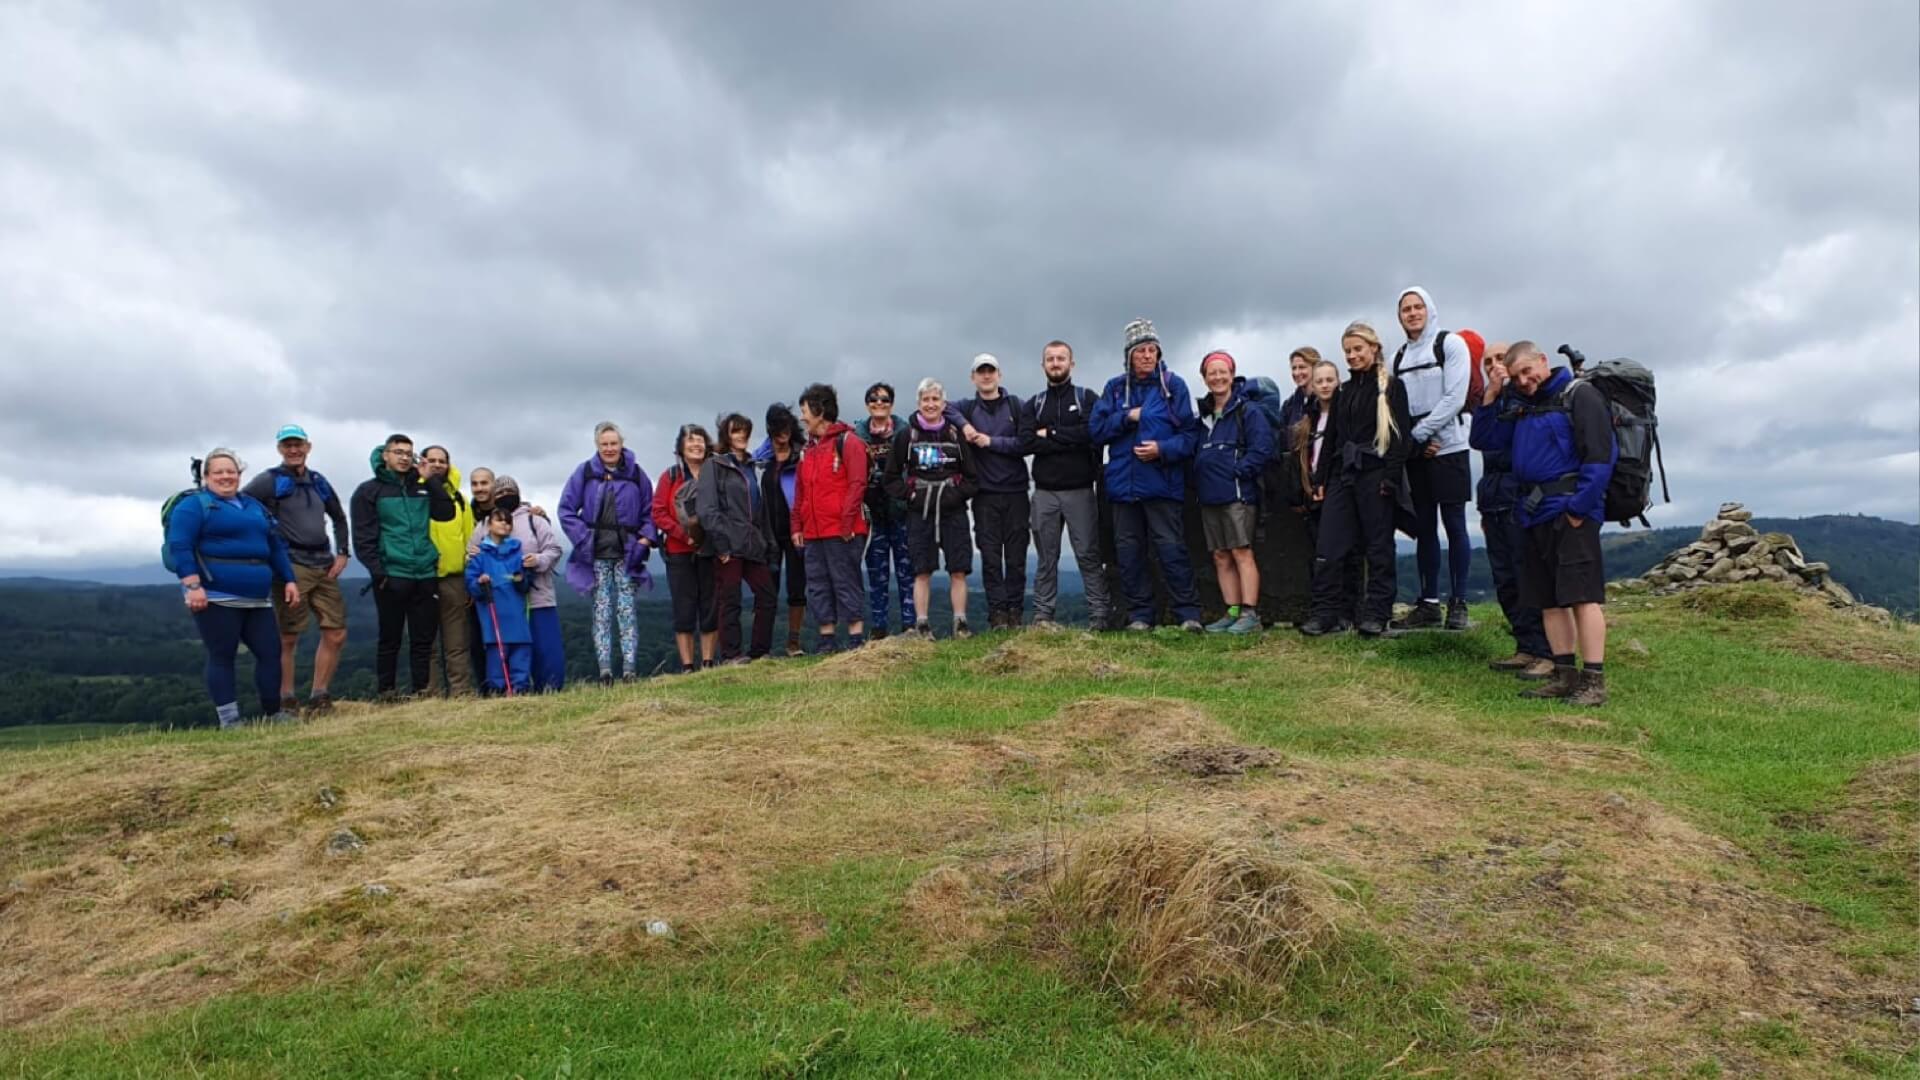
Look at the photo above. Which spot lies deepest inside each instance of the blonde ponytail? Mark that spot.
(1384, 429)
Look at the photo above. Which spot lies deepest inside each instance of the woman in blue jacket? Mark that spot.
(230, 557)
(1235, 447)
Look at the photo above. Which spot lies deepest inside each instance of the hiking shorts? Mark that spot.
(1229, 526)
(319, 598)
(1440, 481)
(955, 542)
(1561, 566)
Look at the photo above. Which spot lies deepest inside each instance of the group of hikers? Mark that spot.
(857, 518)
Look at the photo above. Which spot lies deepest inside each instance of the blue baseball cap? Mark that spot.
(291, 431)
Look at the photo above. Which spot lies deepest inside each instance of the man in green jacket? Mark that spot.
(392, 516)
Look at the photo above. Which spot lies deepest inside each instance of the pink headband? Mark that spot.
(1232, 367)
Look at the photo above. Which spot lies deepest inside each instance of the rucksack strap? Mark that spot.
(1439, 355)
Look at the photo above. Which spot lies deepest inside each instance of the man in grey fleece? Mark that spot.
(303, 503)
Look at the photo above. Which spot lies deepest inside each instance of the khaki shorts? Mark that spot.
(319, 597)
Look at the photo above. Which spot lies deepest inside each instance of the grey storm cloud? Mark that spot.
(492, 224)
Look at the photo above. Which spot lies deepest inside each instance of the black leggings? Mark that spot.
(1355, 516)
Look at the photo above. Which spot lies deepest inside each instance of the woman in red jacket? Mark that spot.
(689, 568)
(829, 518)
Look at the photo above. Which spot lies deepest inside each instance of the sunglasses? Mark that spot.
(879, 401)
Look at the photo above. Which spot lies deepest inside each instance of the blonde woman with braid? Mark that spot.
(1363, 457)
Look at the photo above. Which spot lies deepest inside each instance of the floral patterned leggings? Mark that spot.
(613, 599)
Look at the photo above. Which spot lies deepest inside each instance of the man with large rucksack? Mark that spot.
(303, 504)
(1561, 442)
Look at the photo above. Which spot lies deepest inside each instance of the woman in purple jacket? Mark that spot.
(606, 512)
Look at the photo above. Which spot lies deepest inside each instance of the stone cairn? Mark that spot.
(1730, 550)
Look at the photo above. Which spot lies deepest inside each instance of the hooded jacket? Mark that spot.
(503, 600)
(537, 536)
(1005, 421)
(1066, 459)
(1435, 393)
(450, 537)
(1166, 417)
(732, 507)
(830, 490)
(1232, 455)
(580, 502)
(1492, 435)
(1563, 434)
(393, 516)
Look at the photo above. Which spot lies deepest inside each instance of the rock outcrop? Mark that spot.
(1730, 550)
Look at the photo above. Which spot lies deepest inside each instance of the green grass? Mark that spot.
(825, 974)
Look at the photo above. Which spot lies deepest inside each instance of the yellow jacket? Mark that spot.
(451, 538)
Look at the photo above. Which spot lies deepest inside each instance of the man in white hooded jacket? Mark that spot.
(1436, 369)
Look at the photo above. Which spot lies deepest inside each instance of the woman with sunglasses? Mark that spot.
(886, 516)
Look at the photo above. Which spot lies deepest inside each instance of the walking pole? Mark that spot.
(493, 612)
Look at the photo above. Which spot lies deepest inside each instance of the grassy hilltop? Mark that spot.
(1033, 854)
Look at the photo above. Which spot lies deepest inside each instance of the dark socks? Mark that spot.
(1563, 660)
(1596, 667)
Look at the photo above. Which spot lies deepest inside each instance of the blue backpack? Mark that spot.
(1264, 394)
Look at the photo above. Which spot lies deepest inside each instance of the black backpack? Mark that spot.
(1627, 386)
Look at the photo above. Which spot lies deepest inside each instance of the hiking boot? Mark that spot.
(1139, 626)
(826, 645)
(1370, 628)
(1219, 625)
(1519, 661)
(1247, 623)
(1426, 615)
(1315, 626)
(1589, 690)
(878, 634)
(1541, 668)
(1457, 615)
(1560, 684)
(320, 704)
(961, 629)
(290, 705)
(1192, 626)
(924, 629)
(793, 646)
(606, 680)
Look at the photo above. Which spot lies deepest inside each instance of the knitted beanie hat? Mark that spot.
(1139, 332)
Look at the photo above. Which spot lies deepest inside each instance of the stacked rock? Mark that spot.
(1731, 550)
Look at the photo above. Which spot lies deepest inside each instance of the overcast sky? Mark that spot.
(491, 225)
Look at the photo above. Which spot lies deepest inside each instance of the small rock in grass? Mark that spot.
(376, 891)
(328, 798)
(659, 928)
(345, 842)
(1638, 647)
(227, 840)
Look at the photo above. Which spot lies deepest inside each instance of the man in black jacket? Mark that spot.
(1066, 465)
(996, 424)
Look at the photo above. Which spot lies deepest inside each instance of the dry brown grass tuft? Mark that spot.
(1879, 809)
(878, 660)
(950, 908)
(1056, 654)
(1183, 910)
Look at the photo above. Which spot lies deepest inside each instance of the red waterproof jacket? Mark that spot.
(664, 519)
(830, 490)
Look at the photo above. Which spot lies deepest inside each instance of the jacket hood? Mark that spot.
(763, 454)
(378, 464)
(507, 548)
(1433, 318)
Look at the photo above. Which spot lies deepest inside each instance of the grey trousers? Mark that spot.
(1079, 511)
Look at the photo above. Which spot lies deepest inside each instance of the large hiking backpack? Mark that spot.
(1264, 394)
(1627, 387)
(683, 507)
(1476, 379)
(166, 514)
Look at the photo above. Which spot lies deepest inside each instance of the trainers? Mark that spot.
(1247, 623)
(1519, 661)
(1589, 689)
(1425, 615)
(1560, 685)
(1315, 627)
(1139, 626)
(1192, 626)
(1370, 628)
(961, 630)
(1219, 625)
(793, 647)
(1457, 615)
(1541, 668)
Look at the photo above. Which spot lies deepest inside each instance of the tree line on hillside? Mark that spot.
(128, 654)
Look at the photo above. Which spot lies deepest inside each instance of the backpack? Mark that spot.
(1627, 387)
(683, 507)
(1476, 378)
(166, 515)
(1264, 394)
(284, 483)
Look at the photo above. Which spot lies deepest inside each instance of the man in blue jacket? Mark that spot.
(1000, 428)
(1562, 448)
(1497, 497)
(1145, 420)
